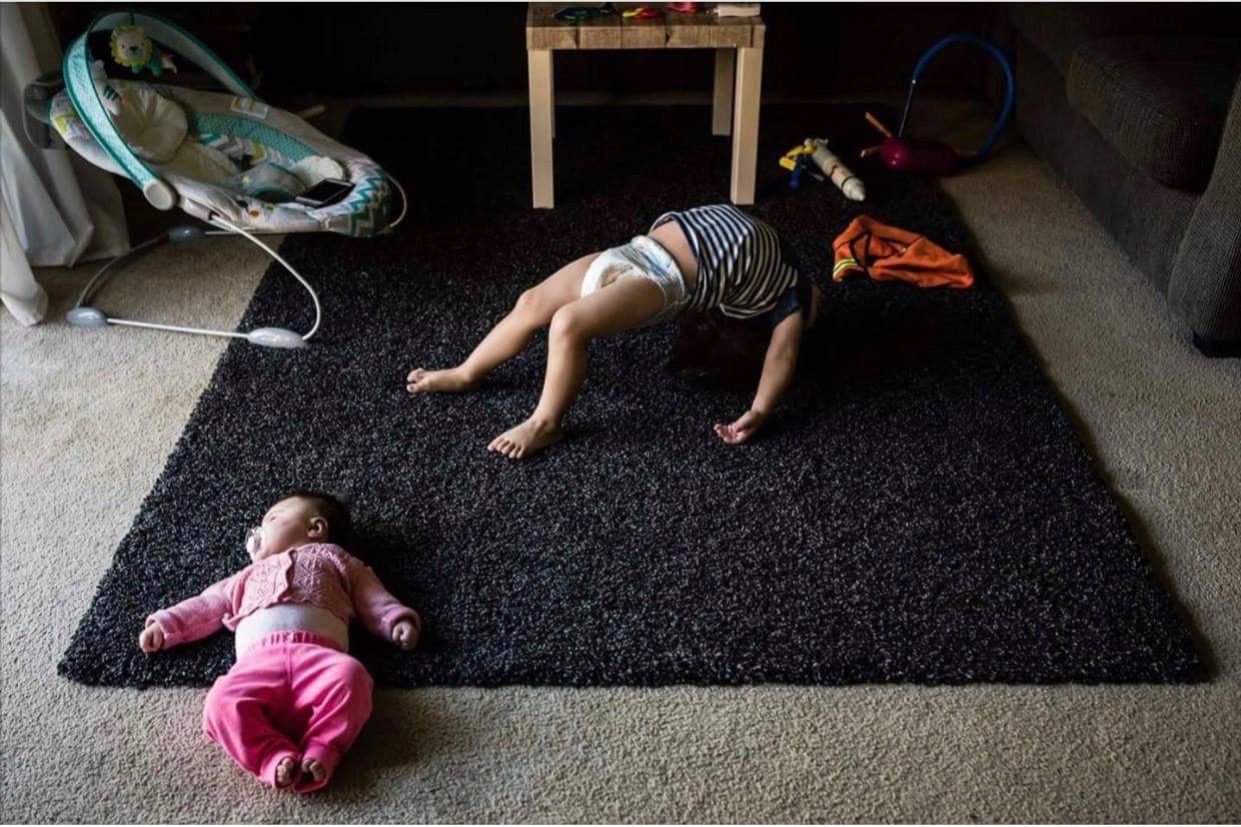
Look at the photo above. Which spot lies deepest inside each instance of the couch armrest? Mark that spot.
(1205, 287)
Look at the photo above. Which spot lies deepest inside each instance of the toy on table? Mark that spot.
(736, 9)
(135, 51)
(815, 151)
(577, 14)
(904, 154)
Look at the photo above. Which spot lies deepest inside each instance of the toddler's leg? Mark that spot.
(333, 691)
(238, 716)
(622, 305)
(534, 309)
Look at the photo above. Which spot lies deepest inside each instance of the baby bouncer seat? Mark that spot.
(227, 159)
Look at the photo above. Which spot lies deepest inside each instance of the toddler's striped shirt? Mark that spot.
(740, 267)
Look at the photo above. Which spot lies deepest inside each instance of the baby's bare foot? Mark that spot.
(314, 769)
(528, 438)
(452, 380)
(284, 772)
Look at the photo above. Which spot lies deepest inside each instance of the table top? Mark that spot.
(671, 30)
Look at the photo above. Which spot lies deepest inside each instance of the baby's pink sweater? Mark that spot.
(321, 574)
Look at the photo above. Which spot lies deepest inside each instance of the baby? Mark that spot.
(294, 701)
(714, 259)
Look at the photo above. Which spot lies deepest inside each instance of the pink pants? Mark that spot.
(291, 695)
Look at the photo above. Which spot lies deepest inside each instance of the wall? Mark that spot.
(362, 49)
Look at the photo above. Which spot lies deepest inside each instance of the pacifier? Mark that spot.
(254, 540)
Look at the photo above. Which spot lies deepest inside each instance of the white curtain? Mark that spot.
(58, 210)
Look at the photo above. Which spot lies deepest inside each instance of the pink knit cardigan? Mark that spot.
(321, 574)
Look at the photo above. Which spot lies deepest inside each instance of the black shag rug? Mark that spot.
(920, 510)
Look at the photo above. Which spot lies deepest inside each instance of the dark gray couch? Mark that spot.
(1138, 108)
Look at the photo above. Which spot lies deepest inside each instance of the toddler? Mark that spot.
(707, 259)
(295, 700)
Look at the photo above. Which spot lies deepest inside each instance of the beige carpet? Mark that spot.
(89, 417)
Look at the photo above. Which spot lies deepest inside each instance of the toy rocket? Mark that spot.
(835, 169)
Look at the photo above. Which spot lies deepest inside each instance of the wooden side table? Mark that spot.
(738, 45)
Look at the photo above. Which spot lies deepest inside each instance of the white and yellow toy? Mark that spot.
(135, 51)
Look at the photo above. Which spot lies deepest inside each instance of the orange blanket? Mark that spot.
(888, 253)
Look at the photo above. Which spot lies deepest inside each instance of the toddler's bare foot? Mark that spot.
(528, 438)
(452, 380)
(284, 772)
(314, 769)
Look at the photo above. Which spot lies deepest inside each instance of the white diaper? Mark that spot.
(643, 258)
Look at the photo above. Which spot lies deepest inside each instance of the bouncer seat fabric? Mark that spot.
(223, 157)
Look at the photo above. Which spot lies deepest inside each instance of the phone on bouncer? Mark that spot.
(325, 193)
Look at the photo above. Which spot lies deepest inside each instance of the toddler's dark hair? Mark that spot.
(333, 508)
(713, 347)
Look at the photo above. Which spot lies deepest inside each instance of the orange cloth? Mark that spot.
(890, 253)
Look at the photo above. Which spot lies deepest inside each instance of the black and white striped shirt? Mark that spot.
(740, 269)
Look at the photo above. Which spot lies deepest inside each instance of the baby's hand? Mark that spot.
(151, 639)
(742, 429)
(406, 632)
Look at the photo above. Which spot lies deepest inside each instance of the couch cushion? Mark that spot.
(1161, 101)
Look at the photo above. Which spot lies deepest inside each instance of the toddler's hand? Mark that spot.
(151, 639)
(406, 633)
(742, 429)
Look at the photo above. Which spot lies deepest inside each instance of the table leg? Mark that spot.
(541, 126)
(722, 103)
(745, 124)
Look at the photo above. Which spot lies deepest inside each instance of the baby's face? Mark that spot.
(288, 524)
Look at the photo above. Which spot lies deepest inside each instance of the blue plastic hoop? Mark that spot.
(1009, 90)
